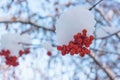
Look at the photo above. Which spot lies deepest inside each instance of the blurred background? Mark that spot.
(38, 17)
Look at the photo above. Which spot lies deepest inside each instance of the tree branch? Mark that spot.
(103, 15)
(25, 21)
(95, 5)
(106, 69)
(105, 51)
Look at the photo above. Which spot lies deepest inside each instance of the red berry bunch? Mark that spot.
(79, 45)
(12, 60)
(5, 53)
(26, 51)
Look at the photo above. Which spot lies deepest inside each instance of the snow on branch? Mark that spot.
(105, 32)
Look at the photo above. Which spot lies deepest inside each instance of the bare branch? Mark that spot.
(117, 53)
(103, 15)
(95, 5)
(108, 35)
(106, 69)
(25, 21)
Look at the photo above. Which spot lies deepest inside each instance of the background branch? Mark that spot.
(25, 21)
(95, 5)
(106, 69)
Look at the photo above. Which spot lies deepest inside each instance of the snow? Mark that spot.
(11, 41)
(47, 46)
(25, 38)
(72, 21)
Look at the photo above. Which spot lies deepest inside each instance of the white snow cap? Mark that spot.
(72, 21)
(11, 41)
(47, 46)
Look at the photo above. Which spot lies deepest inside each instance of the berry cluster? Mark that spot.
(12, 60)
(79, 45)
(26, 51)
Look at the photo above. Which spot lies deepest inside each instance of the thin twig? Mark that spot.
(101, 12)
(28, 22)
(95, 5)
(106, 69)
(117, 53)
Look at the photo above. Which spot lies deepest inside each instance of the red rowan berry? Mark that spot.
(79, 50)
(27, 51)
(75, 36)
(63, 53)
(78, 35)
(59, 47)
(81, 54)
(15, 64)
(87, 51)
(84, 31)
(49, 53)
(76, 47)
(21, 52)
(91, 37)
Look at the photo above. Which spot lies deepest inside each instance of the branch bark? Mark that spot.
(103, 15)
(106, 69)
(25, 21)
(95, 5)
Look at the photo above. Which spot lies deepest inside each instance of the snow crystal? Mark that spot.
(72, 21)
